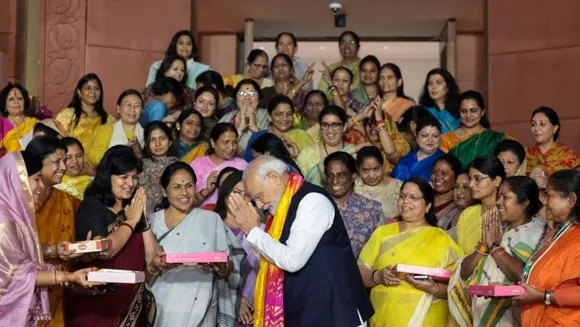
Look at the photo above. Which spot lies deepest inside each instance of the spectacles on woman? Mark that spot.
(334, 126)
(476, 178)
(247, 93)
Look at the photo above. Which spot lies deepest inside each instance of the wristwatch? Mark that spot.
(547, 298)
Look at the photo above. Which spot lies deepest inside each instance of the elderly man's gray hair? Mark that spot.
(265, 165)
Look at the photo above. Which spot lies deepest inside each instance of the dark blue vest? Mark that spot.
(329, 289)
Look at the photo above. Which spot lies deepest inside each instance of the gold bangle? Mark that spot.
(354, 121)
(436, 289)
(150, 273)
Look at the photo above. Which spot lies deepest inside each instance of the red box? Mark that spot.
(418, 270)
(90, 246)
(205, 257)
(116, 276)
(495, 290)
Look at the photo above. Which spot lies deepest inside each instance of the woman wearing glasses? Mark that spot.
(348, 45)
(248, 118)
(399, 299)
(333, 125)
(257, 70)
(485, 176)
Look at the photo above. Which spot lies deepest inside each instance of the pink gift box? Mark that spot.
(89, 246)
(195, 257)
(418, 270)
(116, 276)
(495, 290)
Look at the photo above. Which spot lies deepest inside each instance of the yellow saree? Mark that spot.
(11, 141)
(75, 186)
(198, 152)
(404, 305)
(55, 220)
(86, 128)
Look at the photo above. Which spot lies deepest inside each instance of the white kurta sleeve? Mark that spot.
(314, 217)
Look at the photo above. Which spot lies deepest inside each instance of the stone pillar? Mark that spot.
(62, 50)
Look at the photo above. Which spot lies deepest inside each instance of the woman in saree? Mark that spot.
(257, 70)
(76, 179)
(510, 235)
(314, 103)
(398, 299)
(548, 155)
(348, 46)
(360, 214)
(210, 293)
(440, 96)
(172, 66)
(443, 177)
(113, 208)
(225, 104)
(374, 184)
(407, 125)
(248, 118)
(85, 112)
(285, 82)
(369, 79)
(380, 130)
(223, 141)
(341, 81)
(157, 155)
(16, 118)
(473, 138)
(206, 103)
(394, 101)
(126, 131)
(182, 44)
(512, 156)
(188, 131)
(24, 276)
(419, 163)
(233, 184)
(551, 276)
(281, 112)
(485, 176)
(333, 125)
(463, 199)
(55, 215)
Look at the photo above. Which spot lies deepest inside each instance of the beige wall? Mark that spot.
(219, 51)
(471, 62)
(533, 61)
(8, 39)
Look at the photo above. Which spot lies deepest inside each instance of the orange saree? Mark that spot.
(557, 268)
(55, 220)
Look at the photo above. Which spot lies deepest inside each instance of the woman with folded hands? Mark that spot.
(510, 236)
(404, 300)
(113, 208)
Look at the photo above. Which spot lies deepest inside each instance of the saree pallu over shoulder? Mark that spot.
(21, 302)
(558, 158)
(519, 243)
(555, 265)
(478, 145)
(18, 137)
(404, 305)
(55, 221)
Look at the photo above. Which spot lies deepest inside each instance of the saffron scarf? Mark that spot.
(269, 291)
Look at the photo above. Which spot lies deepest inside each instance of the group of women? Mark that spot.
(427, 184)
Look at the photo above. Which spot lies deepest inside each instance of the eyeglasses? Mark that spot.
(477, 178)
(334, 126)
(350, 42)
(412, 197)
(463, 186)
(258, 66)
(247, 93)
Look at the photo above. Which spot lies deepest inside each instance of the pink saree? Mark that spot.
(21, 303)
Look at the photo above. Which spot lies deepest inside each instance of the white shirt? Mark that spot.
(314, 217)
